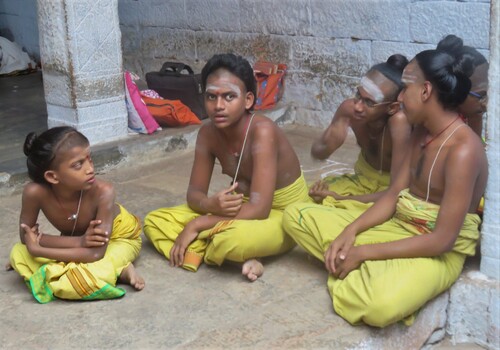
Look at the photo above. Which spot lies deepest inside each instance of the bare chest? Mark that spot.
(67, 221)
(376, 148)
(428, 173)
(239, 170)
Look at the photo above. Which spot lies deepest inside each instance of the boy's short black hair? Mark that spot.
(236, 65)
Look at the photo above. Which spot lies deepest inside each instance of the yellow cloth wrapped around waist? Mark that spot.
(419, 217)
(126, 225)
(365, 180)
(365, 170)
(82, 281)
(296, 192)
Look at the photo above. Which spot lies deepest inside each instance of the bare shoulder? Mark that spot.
(35, 191)
(398, 118)
(263, 126)
(399, 127)
(103, 190)
(346, 109)
(206, 136)
(468, 146)
(206, 128)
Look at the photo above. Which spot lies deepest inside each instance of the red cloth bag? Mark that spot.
(170, 112)
(270, 83)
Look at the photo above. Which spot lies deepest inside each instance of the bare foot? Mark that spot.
(8, 267)
(252, 269)
(130, 276)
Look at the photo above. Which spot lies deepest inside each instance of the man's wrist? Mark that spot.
(363, 252)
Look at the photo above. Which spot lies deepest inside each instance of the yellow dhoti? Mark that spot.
(382, 292)
(49, 279)
(365, 180)
(234, 240)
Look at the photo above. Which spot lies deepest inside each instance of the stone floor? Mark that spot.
(288, 307)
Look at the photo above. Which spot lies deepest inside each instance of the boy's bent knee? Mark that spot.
(379, 312)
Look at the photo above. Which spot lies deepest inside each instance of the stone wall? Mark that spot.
(327, 44)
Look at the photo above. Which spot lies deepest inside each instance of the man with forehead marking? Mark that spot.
(233, 87)
(243, 222)
(381, 131)
(372, 89)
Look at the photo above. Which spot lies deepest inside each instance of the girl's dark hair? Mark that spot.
(237, 65)
(42, 149)
(392, 69)
(448, 68)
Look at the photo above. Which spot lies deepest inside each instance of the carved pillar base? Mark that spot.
(80, 47)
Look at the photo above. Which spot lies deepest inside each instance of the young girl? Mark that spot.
(242, 222)
(411, 244)
(99, 238)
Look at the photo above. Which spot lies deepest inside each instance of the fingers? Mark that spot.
(232, 200)
(314, 187)
(97, 240)
(172, 256)
(176, 256)
(94, 223)
(31, 238)
(323, 186)
(27, 229)
(230, 204)
(343, 270)
(100, 234)
(232, 188)
(38, 237)
(231, 210)
(344, 251)
(342, 273)
(95, 236)
(330, 256)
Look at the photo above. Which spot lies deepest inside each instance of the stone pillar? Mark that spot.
(80, 49)
(490, 237)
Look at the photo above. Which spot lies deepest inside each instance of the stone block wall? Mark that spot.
(473, 310)
(327, 44)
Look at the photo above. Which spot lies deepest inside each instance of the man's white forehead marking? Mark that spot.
(372, 89)
(409, 78)
(224, 85)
